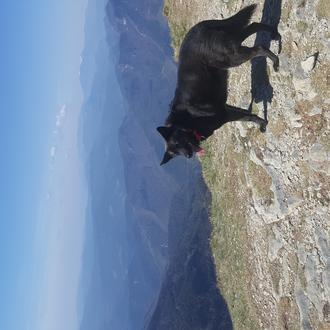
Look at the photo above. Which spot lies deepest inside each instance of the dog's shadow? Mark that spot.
(261, 89)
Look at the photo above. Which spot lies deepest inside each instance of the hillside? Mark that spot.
(148, 262)
(270, 191)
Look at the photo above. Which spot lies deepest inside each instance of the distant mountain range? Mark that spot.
(147, 262)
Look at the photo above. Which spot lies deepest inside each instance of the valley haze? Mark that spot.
(147, 226)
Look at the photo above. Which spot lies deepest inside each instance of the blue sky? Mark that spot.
(42, 192)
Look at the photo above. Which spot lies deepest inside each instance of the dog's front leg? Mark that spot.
(237, 114)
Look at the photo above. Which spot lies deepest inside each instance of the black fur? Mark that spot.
(199, 106)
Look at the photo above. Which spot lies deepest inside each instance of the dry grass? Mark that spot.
(229, 235)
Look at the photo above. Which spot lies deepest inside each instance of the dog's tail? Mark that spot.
(241, 19)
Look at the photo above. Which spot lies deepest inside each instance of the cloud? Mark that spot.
(53, 151)
(61, 116)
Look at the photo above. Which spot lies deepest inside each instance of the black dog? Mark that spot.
(199, 105)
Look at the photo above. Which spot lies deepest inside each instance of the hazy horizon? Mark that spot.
(43, 234)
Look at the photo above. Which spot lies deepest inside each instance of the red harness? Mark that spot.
(198, 136)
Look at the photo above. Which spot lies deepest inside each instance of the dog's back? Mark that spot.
(201, 82)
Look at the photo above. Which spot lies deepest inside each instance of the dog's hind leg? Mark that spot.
(245, 54)
(257, 27)
(237, 114)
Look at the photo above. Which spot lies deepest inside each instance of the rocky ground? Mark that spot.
(271, 191)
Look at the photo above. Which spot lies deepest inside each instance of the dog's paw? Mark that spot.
(263, 126)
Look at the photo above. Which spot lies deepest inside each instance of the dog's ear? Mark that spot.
(167, 157)
(165, 132)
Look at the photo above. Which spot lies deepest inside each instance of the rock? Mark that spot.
(326, 311)
(294, 45)
(304, 89)
(315, 111)
(309, 64)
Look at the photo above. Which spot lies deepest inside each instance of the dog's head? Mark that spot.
(179, 141)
